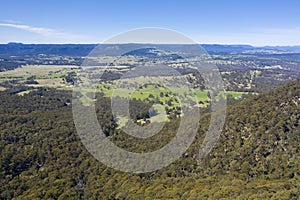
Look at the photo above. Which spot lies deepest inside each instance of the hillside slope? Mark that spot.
(257, 156)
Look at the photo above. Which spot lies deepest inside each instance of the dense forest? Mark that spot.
(8, 65)
(257, 155)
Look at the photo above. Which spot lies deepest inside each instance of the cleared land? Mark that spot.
(45, 75)
(52, 76)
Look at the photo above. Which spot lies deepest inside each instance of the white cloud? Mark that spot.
(45, 32)
(10, 21)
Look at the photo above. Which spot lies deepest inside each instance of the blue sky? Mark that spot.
(255, 22)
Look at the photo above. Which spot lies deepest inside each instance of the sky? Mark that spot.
(253, 22)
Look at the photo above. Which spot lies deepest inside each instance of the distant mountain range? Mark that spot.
(19, 49)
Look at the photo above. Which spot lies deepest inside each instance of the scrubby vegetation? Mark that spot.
(257, 156)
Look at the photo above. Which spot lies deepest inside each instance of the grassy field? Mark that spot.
(45, 75)
(52, 76)
(40, 71)
(145, 92)
(151, 92)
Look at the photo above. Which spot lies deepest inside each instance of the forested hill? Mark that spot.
(19, 49)
(257, 156)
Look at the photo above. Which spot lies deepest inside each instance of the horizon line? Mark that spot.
(136, 43)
